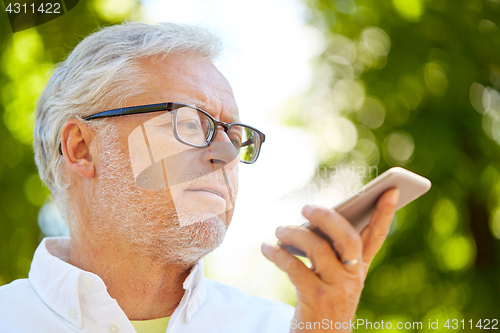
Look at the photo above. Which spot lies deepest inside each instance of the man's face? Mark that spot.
(165, 197)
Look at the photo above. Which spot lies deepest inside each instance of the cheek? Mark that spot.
(156, 161)
(163, 147)
(177, 191)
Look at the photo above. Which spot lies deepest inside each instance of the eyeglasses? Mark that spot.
(197, 128)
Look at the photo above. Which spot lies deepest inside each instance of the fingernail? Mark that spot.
(280, 231)
(265, 248)
(307, 209)
(395, 197)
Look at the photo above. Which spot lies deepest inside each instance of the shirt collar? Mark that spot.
(195, 290)
(60, 284)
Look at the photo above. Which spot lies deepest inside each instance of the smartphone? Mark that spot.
(358, 207)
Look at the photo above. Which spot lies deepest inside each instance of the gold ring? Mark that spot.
(352, 262)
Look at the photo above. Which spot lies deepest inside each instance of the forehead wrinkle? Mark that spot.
(214, 104)
(205, 88)
(225, 110)
(218, 86)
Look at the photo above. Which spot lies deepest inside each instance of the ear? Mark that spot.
(75, 144)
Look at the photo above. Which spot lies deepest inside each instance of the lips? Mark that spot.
(206, 190)
(214, 189)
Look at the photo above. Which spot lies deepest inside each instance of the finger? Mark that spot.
(319, 251)
(346, 239)
(299, 274)
(375, 233)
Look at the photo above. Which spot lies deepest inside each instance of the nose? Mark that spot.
(222, 134)
(221, 151)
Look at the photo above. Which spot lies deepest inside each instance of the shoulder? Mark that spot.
(15, 290)
(17, 296)
(15, 299)
(18, 302)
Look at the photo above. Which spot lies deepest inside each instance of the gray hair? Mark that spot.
(88, 81)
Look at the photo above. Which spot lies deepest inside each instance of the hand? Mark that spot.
(329, 291)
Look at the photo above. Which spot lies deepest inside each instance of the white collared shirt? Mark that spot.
(58, 297)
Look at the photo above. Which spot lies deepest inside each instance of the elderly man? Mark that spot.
(138, 138)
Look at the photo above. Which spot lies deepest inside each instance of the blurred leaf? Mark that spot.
(430, 101)
(26, 58)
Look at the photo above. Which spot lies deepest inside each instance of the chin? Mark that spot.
(186, 245)
(186, 220)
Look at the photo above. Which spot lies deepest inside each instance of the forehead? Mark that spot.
(187, 79)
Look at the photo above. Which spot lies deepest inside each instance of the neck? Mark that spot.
(143, 287)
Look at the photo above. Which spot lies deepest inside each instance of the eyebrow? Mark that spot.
(201, 105)
(193, 102)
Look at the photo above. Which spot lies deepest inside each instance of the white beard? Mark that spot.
(145, 221)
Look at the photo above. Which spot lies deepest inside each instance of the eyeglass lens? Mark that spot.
(195, 127)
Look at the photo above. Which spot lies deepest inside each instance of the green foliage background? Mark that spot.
(25, 59)
(415, 84)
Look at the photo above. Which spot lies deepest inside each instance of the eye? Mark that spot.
(189, 125)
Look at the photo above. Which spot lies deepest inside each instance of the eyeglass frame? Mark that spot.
(170, 107)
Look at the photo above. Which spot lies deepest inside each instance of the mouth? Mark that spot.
(213, 189)
(207, 190)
